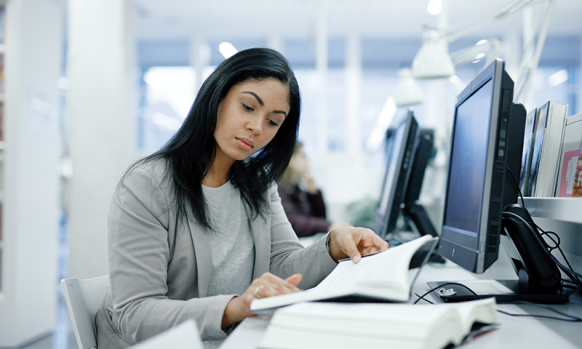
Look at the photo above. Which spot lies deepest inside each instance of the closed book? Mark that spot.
(549, 131)
(528, 142)
(386, 276)
(370, 326)
(570, 158)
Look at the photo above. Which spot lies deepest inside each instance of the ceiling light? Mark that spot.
(227, 49)
(434, 7)
(407, 91)
(432, 60)
(558, 78)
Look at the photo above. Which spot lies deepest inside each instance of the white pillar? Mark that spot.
(275, 42)
(321, 65)
(101, 108)
(353, 88)
(30, 204)
(437, 87)
(199, 58)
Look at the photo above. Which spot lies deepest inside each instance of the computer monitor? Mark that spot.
(400, 152)
(412, 211)
(482, 188)
(476, 192)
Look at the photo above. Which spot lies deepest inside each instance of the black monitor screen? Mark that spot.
(394, 146)
(400, 152)
(468, 161)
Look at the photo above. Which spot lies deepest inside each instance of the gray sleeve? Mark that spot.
(288, 255)
(139, 245)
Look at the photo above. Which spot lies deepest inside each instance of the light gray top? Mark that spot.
(231, 243)
(160, 269)
(233, 251)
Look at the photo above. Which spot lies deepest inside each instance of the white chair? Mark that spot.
(83, 298)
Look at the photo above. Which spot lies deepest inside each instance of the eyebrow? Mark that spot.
(263, 103)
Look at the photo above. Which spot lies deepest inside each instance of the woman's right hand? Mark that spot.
(267, 285)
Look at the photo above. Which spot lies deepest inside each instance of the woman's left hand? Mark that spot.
(354, 242)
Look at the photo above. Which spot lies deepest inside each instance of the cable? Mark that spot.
(424, 299)
(569, 318)
(516, 185)
(572, 317)
(440, 286)
(568, 271)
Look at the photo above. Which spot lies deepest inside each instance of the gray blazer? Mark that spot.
(160, 270)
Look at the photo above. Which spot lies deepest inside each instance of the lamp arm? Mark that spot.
(506, 10)
(525, 58)
(538, 53)
(473, 19)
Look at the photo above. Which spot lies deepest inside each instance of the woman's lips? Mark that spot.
(245, 143)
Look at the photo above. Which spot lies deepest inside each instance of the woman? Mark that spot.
(197, 230)
(301, 199)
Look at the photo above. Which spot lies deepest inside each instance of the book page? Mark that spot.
(384, 274)
(482, 310)
(386, 268)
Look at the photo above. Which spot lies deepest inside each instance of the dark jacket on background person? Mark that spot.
(306, 212)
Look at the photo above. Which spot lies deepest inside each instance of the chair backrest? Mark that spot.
(83, 298)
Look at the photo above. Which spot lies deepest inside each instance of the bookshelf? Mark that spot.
(568, 210)
(564, 217)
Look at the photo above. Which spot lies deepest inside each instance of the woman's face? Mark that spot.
(249, 117)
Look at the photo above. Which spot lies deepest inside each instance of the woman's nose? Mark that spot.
(255, 126)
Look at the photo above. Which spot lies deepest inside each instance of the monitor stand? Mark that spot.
(418, 220)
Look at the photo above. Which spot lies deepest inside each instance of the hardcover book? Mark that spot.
(386, 276)
(370, 326)
(549, 131)
(570, 157)
(528, 142)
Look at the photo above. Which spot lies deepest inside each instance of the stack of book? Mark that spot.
(344, 325)
(545, 143)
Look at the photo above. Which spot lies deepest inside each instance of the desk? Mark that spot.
(513, 332)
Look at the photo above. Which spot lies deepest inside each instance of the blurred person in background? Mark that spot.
(302, 200)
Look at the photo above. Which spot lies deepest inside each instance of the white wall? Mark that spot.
(101, 65)
(30, 218)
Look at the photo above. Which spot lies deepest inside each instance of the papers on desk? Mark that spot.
(364, 325)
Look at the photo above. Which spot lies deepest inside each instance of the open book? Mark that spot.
(386, 276)
(342, 325)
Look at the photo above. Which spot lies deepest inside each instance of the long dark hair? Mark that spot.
(190, 152)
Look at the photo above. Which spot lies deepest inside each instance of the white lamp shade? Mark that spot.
(407, 91)
(432, 60)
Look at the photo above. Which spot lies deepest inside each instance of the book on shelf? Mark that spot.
(571, 158)
(341, 325)
(577, 188)
(528, 141)
(548, 134)
(385, 276)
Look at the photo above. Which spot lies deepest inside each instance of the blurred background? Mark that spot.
(89, 86)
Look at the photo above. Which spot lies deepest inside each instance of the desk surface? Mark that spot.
(513, 332)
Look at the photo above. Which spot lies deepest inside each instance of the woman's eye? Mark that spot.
(247, 107)
(273, 123)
